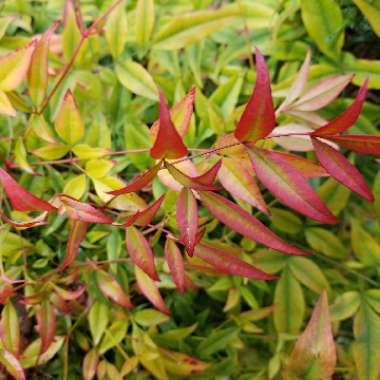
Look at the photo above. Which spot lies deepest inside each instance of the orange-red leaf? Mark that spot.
(246, 224)
(228, 263)
(288, 185)
(258, 119)
(348, 118)
(315, 347)
(208, 177)
(38, 221)
(82, 211)
(140, 252)
(187, 219)
(366, 144)
(139, 182)
(168, 143)
(341, 169)
(46, 324)
(76, 235)
(111, 289)
(150, 290)
(90, 363)
(21, 199)
(174, 259)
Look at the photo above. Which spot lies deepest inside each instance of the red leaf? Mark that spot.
(174, 259)
(208, 178)
(82, 211)
(187, 219)
(366, 144)
(258, 119)
(168, 143)
(228, 263)
(38, 221)
(187, 181)
(346, 119)
(246, 224)
(46, 325)
(288, 185)
(76, 235)
(144, 217)
(140, 252)
(150, 290)
(21, 199)
(111, 288)
(139, 182)
(341, 169)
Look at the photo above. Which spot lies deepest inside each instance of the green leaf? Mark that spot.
(373, 298)
(76, 186)
(98, 319)
(345, 306)
(324, 22)
(144, 21)
(289, 304)
(371, 10)
(150, 317)
(6, 107)
(113, 335)
(334, 195)
(20, 156)
(52, 151)
(136, 78)
(285, 221)
(367, 343)
(10, 329)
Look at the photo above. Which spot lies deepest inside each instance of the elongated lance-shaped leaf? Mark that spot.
(346, 119)
(208, 177)
(288, 185)
(82, 211)
(12, 365)
(237, 179)
(21, 199)
(187, 181)
(90, 363)
(366, 144)
(144, 217)
(315, 348)
(10, 329)
(187, 219)
(168, 142)
(227, 263)
(38, 69)
(38, 221)
(112, 289)
(140, 252)
(341, 169)
(246, 224)
(258, 119)
(150, 290)
(175, 262)
(180, 113)
(76, 235)
(46, 324)
(139, 182)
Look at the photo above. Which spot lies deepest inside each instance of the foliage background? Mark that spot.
(227, 321)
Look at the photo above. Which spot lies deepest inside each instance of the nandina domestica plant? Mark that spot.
(168, 211)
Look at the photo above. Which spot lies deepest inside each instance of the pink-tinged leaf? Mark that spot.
(230, 264)
(140, 252)
(69, 295)
(10, 329)
(111, 289)
(180, 114)
(90, 364)
(38, 221)
(168, 143)
(293, 137)
(346, 119)
(236, 177)
(187, 181)
(258, 118)
(309, 169)
(174, 259)
(187, 219)
(76, 235)
(323, 93)
(46, 325)
(21, 199)
(150, 290)
(144, 217)
(82, 211)
(298, 84)
(341, 169)
(315, 348)
(208, 177)
(12, 365)
(139, 182)
(167, 179)
(366, 144)
(289, 185)
(244, 223)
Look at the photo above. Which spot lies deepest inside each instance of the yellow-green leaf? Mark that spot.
(345, 306)
(98, 319)
(52, 151)
(86, 152)
(371, 10)
(10, 329)
(20, 156)
(144, 21)
(6, 107)
(98, 168)
(76, 186)
(71, 33)
(41, 128)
